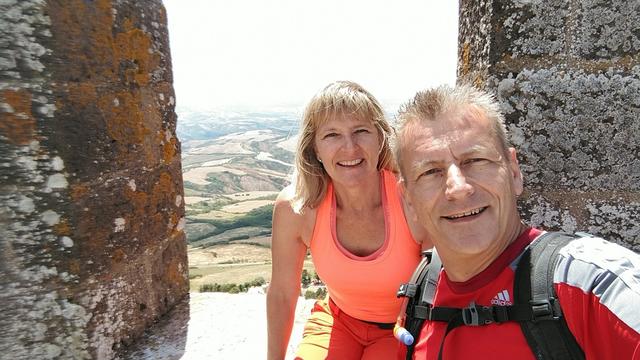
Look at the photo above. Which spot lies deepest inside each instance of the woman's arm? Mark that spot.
(287, 253)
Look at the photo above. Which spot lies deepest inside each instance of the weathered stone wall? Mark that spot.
(91, 247)
(567, 74)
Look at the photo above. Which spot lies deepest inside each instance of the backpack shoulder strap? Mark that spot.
(547, 333)
(431, 279)
(420, 290)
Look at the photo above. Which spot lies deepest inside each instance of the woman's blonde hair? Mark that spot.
(336, 99)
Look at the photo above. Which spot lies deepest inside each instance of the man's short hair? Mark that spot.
(433, 104)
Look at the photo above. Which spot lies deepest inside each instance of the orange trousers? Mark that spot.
(331, 334)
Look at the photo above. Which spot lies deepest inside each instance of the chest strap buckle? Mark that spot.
(476, 315)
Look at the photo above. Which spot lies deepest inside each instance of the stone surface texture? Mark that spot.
(92, 249)
(567, 74)
(216, 326)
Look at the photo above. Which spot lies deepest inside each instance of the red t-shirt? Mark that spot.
(597, 282)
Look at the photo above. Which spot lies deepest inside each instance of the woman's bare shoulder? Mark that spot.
(284, 204)
(288, 215)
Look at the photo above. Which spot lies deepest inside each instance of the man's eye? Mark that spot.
(430, 172)
(475, 161)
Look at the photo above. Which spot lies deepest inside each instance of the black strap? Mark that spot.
(429, 284)
(409, 289)
(547, 333)
(453, 323)
(414, 324)
(431, 279)
(536, 307)
(476, 315)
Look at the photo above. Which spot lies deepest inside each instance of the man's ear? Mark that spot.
(516, 173)
(419, 233)
(406, 200)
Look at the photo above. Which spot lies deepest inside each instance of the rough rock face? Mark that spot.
(92, 249)
(567, 74)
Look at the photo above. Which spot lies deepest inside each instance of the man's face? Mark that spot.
(461, 184)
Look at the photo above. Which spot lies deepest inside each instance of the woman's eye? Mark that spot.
(329, 135)
(362, 131)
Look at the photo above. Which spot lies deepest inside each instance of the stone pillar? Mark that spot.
(567, 74)
(91, 248)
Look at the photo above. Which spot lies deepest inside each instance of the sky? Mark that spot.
(271, 53)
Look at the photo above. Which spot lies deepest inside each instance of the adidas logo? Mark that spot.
(502, 299)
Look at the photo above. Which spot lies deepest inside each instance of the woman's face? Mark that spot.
(348, 148)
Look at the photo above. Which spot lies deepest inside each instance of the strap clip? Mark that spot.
(407, 290)
(475, 315)
(546, 309)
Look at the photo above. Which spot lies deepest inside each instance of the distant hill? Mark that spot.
(211, 124)
(234, 163)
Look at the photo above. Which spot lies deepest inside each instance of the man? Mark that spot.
(462, 180)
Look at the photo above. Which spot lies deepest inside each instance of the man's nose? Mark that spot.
(457, 185)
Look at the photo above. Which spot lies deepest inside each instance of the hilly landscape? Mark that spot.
(234, 165)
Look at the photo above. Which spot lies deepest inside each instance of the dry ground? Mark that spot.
(242, 260)
(215, 326)
(231, 263)
(245, 206)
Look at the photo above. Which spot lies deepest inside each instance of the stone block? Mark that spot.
(607, 29)
(611, 215)
(567, 75)
(574, 129)
(507, 36)
(92, 249)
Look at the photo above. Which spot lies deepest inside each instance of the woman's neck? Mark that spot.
(358, 198)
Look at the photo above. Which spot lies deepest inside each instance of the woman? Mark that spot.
(345, 207)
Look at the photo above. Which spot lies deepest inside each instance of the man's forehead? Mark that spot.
(468, 117)
(451, 124)
(430, 135)
(458, 133)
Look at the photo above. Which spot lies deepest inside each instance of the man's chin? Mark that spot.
(468, 244)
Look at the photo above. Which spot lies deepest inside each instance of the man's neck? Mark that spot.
(462, 267)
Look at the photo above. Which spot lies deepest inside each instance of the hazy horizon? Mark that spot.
(250, 54)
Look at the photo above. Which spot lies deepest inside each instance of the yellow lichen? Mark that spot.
(118, 255)
(62, 228)
(466, 59)
(78, 191)
(124, 116)
(74, 266)
(169, 150)
(19, 126)
(134, 45)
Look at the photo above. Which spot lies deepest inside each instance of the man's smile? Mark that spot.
(465, 214)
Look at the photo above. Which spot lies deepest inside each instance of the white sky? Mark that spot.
(280, 52)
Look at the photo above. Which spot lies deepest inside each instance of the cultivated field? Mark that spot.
(231, 183)
(245, 206)
(231, 263)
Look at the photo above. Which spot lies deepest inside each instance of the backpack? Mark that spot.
(535, 306)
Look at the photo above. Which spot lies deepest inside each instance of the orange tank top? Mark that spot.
(365, 287)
